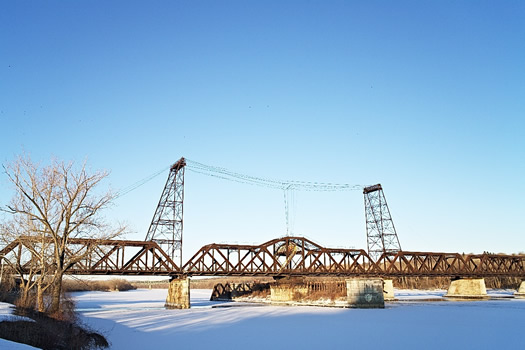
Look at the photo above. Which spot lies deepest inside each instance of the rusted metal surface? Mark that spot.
(281, 257)
(167, 224)
(287, 256)
(380, 230)
(99, 257)
(451, 265)
(298, 256)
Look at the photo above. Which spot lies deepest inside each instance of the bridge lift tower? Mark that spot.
(167, 223)
(380, 231)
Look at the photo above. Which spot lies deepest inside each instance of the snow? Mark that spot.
(6, 314)
(137, 319)
(10, 345)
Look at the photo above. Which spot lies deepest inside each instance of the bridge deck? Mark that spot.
(287, 256)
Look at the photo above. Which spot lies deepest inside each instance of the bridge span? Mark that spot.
(285, 258)
(280, 257)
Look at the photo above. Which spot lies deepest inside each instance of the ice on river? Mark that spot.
(138, 320)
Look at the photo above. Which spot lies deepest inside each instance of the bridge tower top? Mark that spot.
(380, 231)
(167, 223)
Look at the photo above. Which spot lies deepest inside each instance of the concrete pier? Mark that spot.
(365, 293)
(467, 288)
(388, 290)
(521, 291)
(178, 294)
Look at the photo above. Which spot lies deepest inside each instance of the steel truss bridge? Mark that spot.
(161, 252)
(281, 257)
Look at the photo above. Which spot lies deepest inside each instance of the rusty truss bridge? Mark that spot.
(282, 257)
(161, 252)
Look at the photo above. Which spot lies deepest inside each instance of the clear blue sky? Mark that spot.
(425, 97)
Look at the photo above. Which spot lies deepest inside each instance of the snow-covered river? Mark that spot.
(138, 320)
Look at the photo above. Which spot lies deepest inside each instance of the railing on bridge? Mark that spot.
(287, 256)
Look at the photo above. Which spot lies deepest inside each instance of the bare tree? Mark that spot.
(59, 202)
(34, 263)
(22, 262)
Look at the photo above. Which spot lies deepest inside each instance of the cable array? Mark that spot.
(287, 186)
(289, 207)
(225, 174)
(139, 183)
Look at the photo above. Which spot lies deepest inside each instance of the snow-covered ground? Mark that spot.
(138, 320)
(6, 314)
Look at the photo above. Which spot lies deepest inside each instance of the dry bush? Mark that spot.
(25, 303)
(50, 333)
(116, 285)
(297, 296)
(261, 290)
(67, 310)
(263, 293)
(205, 283)
(444, 282)
(103, 286)
(503, 282)
(422, 282)
(8, 287)
(330, 295)
(8, 281)
(58, 330)
(70, 285)
(152, 284)
(327, 290)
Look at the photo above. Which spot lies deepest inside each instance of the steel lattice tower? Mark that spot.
(380, 230)
(166, 226)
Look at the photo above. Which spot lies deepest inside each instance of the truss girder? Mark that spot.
(309, 259)
(287, 256)
(101, 257)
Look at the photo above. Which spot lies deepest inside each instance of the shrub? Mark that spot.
(50, 333)
(104, 286)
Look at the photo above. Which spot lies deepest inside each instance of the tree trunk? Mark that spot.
(40, 297)
(56, 293)
(25, 299)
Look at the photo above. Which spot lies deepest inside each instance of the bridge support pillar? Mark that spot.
(365, 293)
(388, 290)
(178, 294)
(467, 288)
(521, 291)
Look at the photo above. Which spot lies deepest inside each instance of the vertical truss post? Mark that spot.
(380, 231)
(166, 226)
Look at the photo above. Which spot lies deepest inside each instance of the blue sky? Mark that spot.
(425, 97)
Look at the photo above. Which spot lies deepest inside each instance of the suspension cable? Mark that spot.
(139, 183)
(225, 174)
